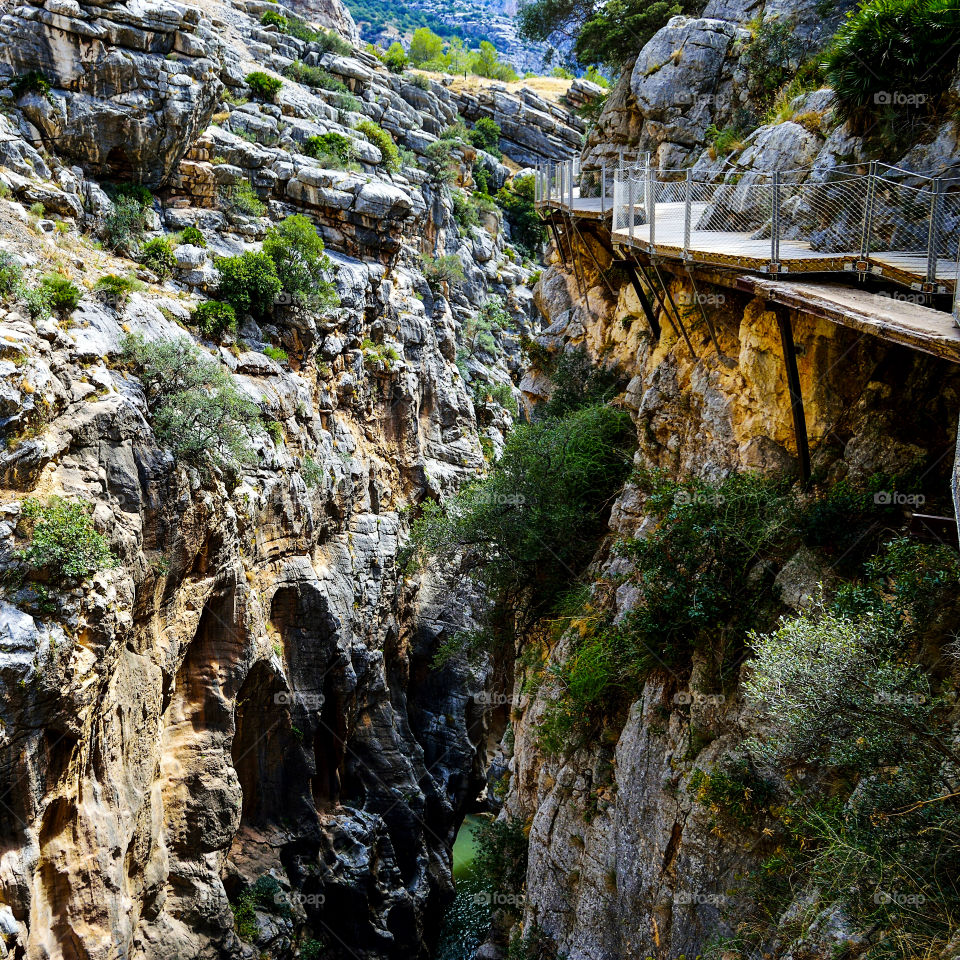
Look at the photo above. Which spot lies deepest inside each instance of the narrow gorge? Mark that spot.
(401, 557)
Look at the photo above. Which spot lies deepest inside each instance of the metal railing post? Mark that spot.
(630, 207)
(651, 203)
(868, 211)
(775, 225)
(603, 188)
(688, 205)
(933, 234)
(570, 179)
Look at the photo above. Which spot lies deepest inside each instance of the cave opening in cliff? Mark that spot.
(267, 750)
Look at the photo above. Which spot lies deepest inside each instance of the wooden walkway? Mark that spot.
(897, 317)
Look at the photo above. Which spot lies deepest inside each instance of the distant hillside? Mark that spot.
(475, 20)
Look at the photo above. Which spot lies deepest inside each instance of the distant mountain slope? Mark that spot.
(475, 20)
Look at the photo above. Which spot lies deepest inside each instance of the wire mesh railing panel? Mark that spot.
(629, 209)
(827, 216)
(899, 222)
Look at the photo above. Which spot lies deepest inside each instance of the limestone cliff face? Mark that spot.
(247, 693)
(623, 859)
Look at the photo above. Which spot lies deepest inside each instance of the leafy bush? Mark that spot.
(486, 136)
(242, 198)
(578, 382)
(273, 19)
(533, 520)
(447, 269)
(899, 40)
(843, 688)
(501, 861)
(302, 267)
(124, 224)
(35, 300)
(63, 295)
(315, 77)
(312, 950)
(276, 353)
(384, 143)
(249, 282)
(263, 86)
(214, 319)
(63, 541)
(196, 410)
(486, 62)
(115, 290)
(464, 210)
(724, 141)
(193, 236)
(379, 354)
(157, 255)
(769, 57)
(33, 81)
(334, 145)
(131, 191)
(11, 273)
(395, 59)
(441, 164)
(526, 228)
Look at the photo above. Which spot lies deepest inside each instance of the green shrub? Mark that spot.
(725, 141)
(115, 290)
(882, 53)
(157, 255)
(302, 267)
(315, 77)
(533, 520)
(769, 57)
(249, 282)
(527, 230)
(312, 950)
(273, 19)
(376, 354)
(441, 164)
(35, 300)
(63, 296)
(63, 541)
(395, 59)
(214, 319)
(845, 691)
(245, 918)
(263, 86)
(384, 143)
(130, 191)
(447, 269)
(11, 273)
(464, 210)
(124, 225)
(276, 353)
(196, 410)
(500, 863)
(33, 81)
(242, 198)
(578, 382)
(193, 236)
(486, 136)
(332, 145)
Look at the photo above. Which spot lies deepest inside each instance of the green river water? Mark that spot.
(467, 919)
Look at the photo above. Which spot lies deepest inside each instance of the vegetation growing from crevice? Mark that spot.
(533, 521)
(527, 230)
(62, 541)
(703, 578)
(196, 410)
(887, 64)
(857, 700)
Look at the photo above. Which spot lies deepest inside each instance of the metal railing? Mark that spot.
(869, 218)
